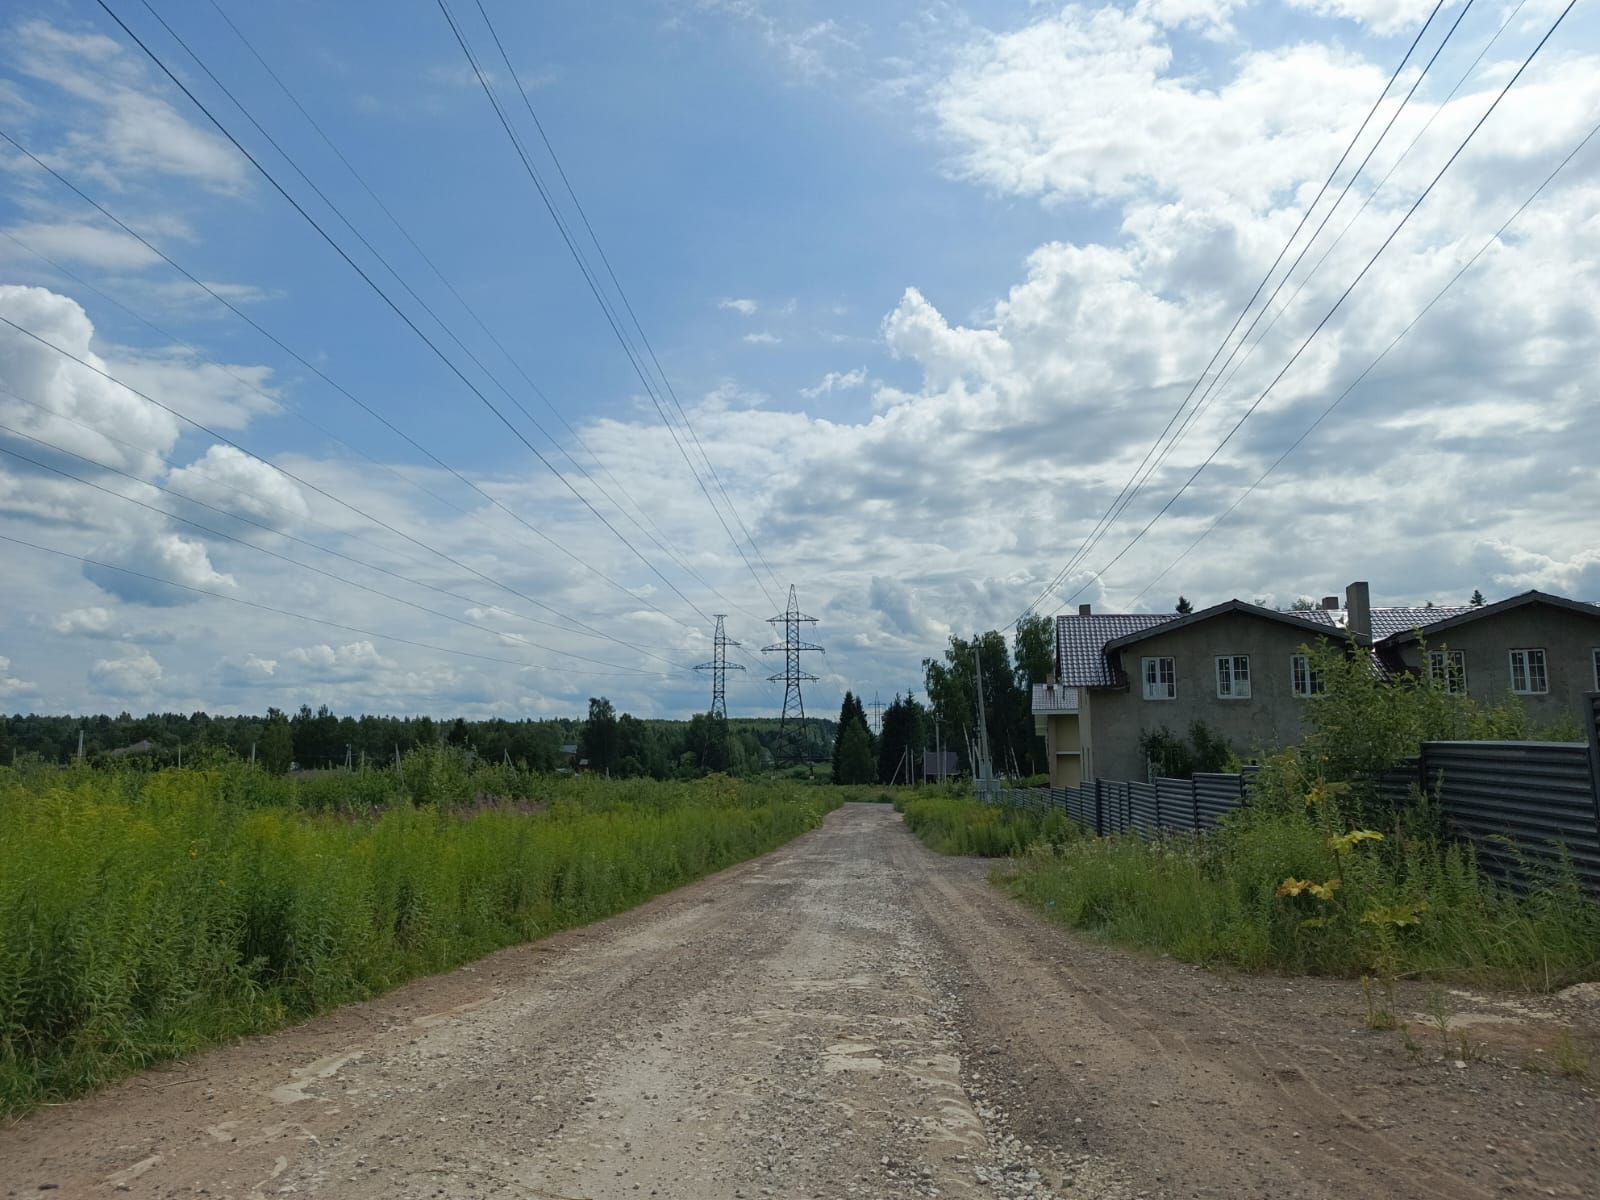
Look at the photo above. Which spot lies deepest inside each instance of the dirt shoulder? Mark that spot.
(849, 1016)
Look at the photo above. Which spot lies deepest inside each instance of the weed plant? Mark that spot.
(146, 915)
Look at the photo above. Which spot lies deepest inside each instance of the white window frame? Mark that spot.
(1160, 677)
(1233, 677)
(1529, 667)
(1447, 669)
(1304, 679)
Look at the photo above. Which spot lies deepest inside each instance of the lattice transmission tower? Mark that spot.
(719, 667)
(792, 729)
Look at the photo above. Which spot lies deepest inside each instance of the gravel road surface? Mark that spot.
(849, 1016)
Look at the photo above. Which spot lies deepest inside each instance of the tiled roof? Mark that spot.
(1081, 640)
(1386, 622)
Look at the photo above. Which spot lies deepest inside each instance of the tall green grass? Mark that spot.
(954, 824)
(143, 916)
(1414, 904)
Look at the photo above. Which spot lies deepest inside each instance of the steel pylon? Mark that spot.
(791, 729)
(719, 667)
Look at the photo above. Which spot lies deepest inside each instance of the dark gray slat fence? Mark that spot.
(1144, 812)
(1175, 803)
(1215, 795)
(1519, 803)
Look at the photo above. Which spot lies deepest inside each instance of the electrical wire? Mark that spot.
(405, 318)
(354, 399)
(585, 270)
(1357, 381)
(1080, 553)
(217, 533)
(622, 292)
(640, 516)
(1336, 306)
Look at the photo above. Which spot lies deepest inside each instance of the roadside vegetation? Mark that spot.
(952, 823)
(147, 914)
(1316, 875)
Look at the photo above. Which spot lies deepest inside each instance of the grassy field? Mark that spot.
(146, 915)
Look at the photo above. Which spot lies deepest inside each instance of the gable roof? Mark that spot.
(1449, 618)
(1085, 642)
(1081, 641)
(1300, 620)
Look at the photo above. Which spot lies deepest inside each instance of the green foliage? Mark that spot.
(1363, 724)
(1413, 902)
(1184, 607)
(953, 824)
(854, 753)
(904, 733)
(1173, 757)
(855, 756)
(145, 914)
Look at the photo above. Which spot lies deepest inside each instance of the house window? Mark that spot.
(1160, 679)
(1447, 669)
(1306, 679)
(1233, 677)
(1528, 673)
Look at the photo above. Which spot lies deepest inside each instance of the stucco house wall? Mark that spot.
(1116, 718)
(1569, 640)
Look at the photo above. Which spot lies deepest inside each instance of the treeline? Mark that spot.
(607, 742)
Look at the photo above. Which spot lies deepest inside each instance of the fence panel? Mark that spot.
(1143, 815)
(1215, 795)
(1175, 801)
(1519, 801)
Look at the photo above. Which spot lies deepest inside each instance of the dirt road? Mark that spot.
(848, 1016)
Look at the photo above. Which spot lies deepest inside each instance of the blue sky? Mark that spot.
(928, 282)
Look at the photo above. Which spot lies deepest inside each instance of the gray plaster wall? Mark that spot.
(1569, 640)
(1113, 720)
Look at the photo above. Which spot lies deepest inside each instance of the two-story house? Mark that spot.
(1242, 669)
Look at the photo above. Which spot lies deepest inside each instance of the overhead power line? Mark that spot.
(276, 532)
(306, 483)
(303, 566)
(1079, 555)
(622, 293)
(354, 399)
(1310, 337)
(405, 318)
(412, 292)
(610, 315)
(1492, 240)
(1223, 375)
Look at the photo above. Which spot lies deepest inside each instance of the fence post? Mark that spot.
(1593, 723)
(1194, 800)
(1099, 810)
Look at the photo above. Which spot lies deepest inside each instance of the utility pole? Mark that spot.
(791, 729)
(985, 771)
(719, 666)
(80, 743)
(877, 715)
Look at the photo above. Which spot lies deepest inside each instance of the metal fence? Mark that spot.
(1527, 807)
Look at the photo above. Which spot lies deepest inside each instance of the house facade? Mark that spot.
(1542, 649)
(1242, 670)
